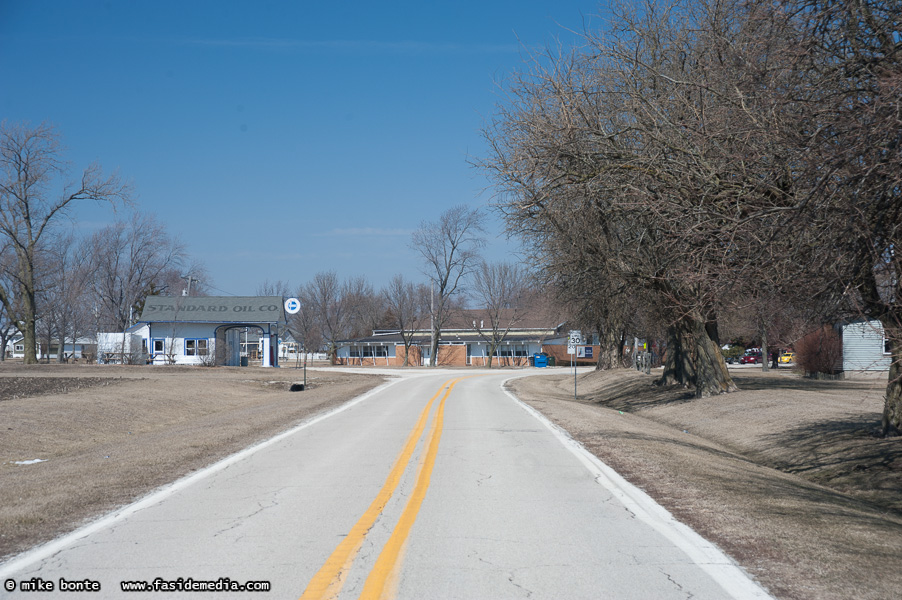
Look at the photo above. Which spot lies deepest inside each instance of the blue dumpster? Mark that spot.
(540, 359)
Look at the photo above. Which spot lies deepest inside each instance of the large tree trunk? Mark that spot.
(712, 376)
(62, 342)
(433, 347)
(678, 363)
(610, 352)
(694, 359)
(892, 404)
(30, 341)
(4, 338)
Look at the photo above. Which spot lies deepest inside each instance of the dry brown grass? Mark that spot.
(110, 434)
(784, 475)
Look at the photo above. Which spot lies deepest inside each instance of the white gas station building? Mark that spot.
(203, 329)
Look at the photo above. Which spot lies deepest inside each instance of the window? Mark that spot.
(144, 345)
(368, 351)
(887, 347)
(196, 347)
(158, 347)
(513, 351)
(20, 348)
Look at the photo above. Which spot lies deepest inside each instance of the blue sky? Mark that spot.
(278, 139)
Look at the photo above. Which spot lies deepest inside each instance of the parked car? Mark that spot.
(750, 358)
(787, 357)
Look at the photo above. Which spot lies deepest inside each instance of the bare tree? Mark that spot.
(304, 324)
(703, 151)
(499, 290)
(7, 330)
(31, 160)
(328, 302)
(648, 160)
(366, 308)
(65, 314)
(849, 125)
(408, 305)
(274, 288)
(449, 248)
(131, 260)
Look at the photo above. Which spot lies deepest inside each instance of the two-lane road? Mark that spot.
(436, 486)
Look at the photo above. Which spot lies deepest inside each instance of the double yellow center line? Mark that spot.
(327, 582)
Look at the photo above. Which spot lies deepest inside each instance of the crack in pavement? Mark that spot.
(689, 595)
(510, 578)
(240, 520)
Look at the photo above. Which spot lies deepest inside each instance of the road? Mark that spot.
(435, 486)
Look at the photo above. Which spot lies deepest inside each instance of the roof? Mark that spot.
(452, 336)
(213, 309)
(467, 318)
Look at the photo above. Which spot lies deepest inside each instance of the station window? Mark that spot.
(196, 347)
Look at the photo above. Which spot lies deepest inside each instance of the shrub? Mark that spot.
(820, 352)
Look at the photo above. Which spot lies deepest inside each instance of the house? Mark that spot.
(82, 347)
(864, 346)
(201, 330)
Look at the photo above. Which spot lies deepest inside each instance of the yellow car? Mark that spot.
(787, 357)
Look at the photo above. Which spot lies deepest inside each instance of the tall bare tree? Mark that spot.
(449, 248)
(304, 323)
(129, 261)
(650, 160)
(30, 159)
(7, 324)
(408, 306)
(65, 314)
(328, 301)
(851, 129)
(499, 291)
(366, 307)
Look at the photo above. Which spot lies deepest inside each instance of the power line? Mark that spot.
(219, 290)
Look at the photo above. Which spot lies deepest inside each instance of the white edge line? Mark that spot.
(24, 560)
(720, 567)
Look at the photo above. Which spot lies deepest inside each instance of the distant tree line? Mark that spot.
(698, 160)
(456, 278)
(58, 283)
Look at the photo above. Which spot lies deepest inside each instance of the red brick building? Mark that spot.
(463, 347)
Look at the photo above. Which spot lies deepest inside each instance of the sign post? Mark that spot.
(293, 307)
(575, 338)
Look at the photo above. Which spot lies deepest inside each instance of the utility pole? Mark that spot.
(189, 278)
(432, 324)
